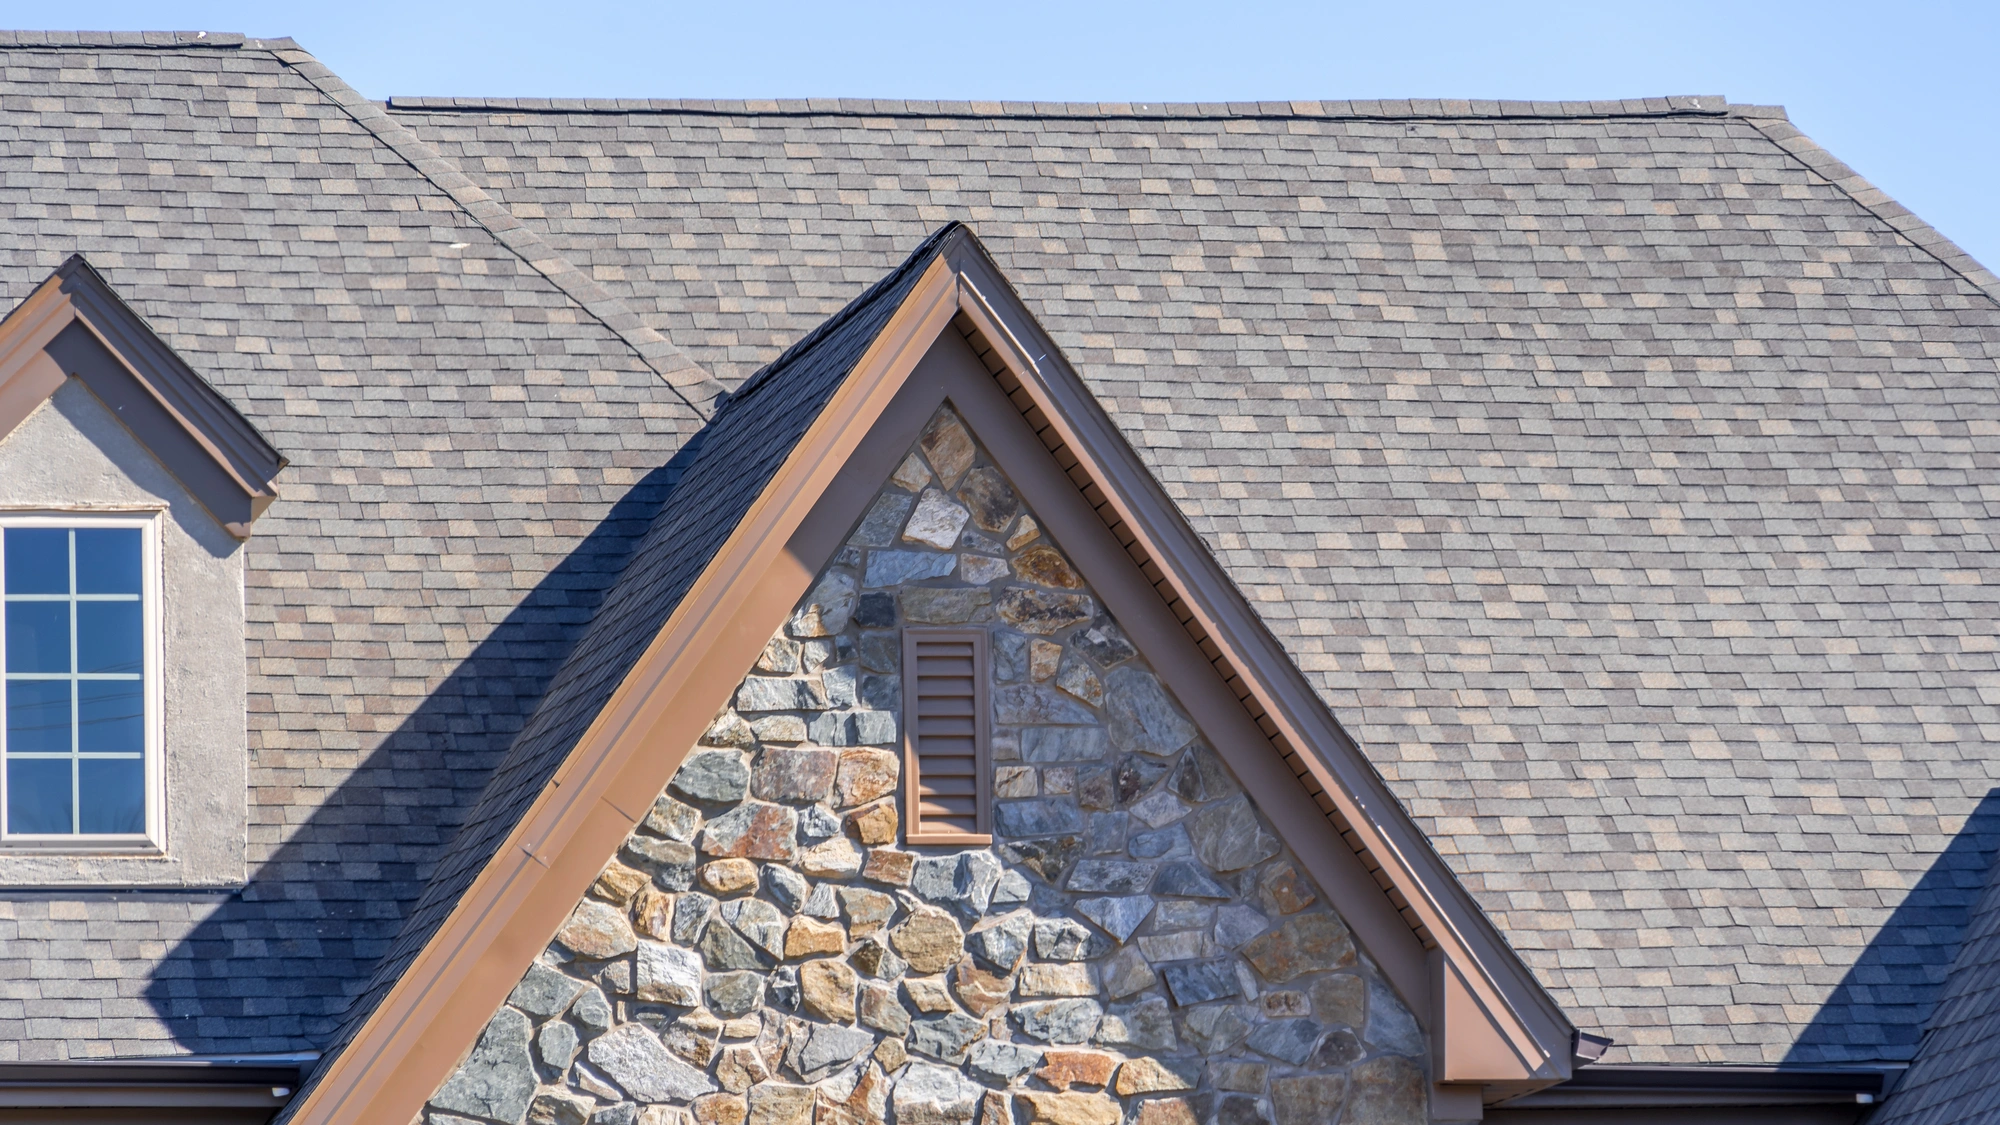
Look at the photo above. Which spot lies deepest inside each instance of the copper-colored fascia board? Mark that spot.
(432, 1015)
(1114, 479)
(25, 375)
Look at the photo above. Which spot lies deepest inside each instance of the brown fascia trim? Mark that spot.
(431, 1016)
(1476, 965)
(75, 325)
(409, 1044)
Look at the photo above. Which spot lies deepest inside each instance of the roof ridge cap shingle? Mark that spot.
(1700, 105)
(689, 380)
(1781, 132)
(147, 40)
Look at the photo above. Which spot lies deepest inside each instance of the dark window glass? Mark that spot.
(37, 560)
(111, 795)
(38, 795)
(110, 637)
(107, 560)
(111, 717)
(38, 717)
(37, 637)
(74, 666)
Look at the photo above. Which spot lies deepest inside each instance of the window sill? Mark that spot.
(81, 847)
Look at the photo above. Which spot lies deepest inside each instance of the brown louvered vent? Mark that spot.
(946, 765)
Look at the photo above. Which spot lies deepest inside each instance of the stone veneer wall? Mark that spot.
(1135, 947)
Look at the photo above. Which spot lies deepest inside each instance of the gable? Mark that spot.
(75, 326)
(1128, 908)
(605, 785)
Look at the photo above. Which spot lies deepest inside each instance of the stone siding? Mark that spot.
(1136, 945)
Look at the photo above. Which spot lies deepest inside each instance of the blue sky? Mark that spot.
(1903, 93)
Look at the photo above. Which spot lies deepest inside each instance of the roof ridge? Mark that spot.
(1875, 201)
(154, 40)
(1701, 105)
(689, 380)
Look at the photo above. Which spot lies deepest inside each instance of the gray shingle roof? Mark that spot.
(1621, 475)
(1953, 1077)
(468, 448)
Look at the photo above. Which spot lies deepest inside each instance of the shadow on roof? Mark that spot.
(233, 987)
(1878, 1012)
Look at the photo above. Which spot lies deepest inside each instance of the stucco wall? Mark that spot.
(72, 454)
(1135, 946)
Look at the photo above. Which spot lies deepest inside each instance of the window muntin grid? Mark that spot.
(74, 694)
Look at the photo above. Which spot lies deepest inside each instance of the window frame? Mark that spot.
(152, 840)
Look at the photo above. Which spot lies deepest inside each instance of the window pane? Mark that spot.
(38, 795)
(38, 716)
(37, 636)
(109, 637)
(37, 560)
(107, 560)
(111, 716)
(111, 795)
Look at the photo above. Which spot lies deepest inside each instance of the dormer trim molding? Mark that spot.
(74, 325)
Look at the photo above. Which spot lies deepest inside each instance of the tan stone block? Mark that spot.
(1302, 945)
(891, 867)
(720, 1109)
(1045, 566)
(867, 911)
(1057, 979)
(1152, 1076)
(929, 940)
(1165, 1111)
(1313, 1099)
(617, 883)
(653, 914)
(874, 824)
(826, 989)
(780, 1103)
(1288, 889)
(740, 1068)
(979, 990)
(807, 936)
(1044, 657)
(947, 447)
(836, 857)
(994, 1109)
(728, 876)
(1024, 533)
(912, 475)
(1069, 1109)
(928, 994)
(865, 775)
(1014, 781)
(890, 1053)
(598, 930)
(1063, 1068)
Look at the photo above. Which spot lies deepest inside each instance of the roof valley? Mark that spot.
(688, 379)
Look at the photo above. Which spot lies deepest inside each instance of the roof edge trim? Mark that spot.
(1696, 105)
(1485, 978)
(76, 324)
(1781, 132)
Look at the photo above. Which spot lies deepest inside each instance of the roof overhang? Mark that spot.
(961, 335)
(1720, 1094)
(73, 325)
(220, 1090)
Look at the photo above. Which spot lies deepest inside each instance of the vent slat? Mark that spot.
(945, 675)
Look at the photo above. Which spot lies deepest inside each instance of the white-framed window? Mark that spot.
(79, 681)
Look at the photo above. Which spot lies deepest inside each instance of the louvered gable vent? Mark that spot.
(947, 766)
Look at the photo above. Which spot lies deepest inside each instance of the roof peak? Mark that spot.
(1697, 105)
(145, 40)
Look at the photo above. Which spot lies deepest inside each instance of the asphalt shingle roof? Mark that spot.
(1622, 475)
(468, 448)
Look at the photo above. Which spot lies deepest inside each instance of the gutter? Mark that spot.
(246, 1087)
(1660, 1087)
